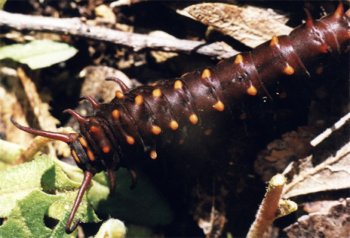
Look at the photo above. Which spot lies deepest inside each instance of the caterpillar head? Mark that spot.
(89, 160)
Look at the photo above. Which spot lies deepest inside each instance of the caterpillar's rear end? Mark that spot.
(145, 121)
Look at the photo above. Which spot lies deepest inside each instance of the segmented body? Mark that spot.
(142, 117)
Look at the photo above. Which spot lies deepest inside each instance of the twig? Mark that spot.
(271, 208)
(73, 26)
(330, 130)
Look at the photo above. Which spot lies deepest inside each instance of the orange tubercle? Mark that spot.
(177, 85)
(156, 130)
(206, 74)
(153, 154)
(174, 125)
(193, 119)
(139, 100)
(157, 93)
(252, 91)
(115, 114)
(94, 129)
(288, 70)
(238, 59)
(130, 140)
(274, 41)
(119, 94)
(106, 149)
(219, 106)
(339, 12)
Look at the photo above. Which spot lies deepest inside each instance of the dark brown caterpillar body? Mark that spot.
(141, 120)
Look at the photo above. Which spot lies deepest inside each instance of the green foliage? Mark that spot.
(25, 199)
(26, 219)
(38, 53)
(47, 187)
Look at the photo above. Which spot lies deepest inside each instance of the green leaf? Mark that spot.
(40, 174)
(38, 53)
(26, 219)
(20, 185)
(24, 188)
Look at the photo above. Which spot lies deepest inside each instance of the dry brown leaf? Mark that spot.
(39, 108)
(322, 206)
(10, 106)
(281, 152)
(332, 174)
(250, 25)
(333, 222)
(95, 84)
(105, 13)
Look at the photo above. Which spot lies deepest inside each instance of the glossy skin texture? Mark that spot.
(139, 117)
(147, 119)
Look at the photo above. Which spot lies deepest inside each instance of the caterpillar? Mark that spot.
(147, 119)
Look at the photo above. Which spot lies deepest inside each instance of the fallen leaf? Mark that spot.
(250, 25)
(95, 83)
(38, 53)
(331, 174)
(281, 152)
(11, 105)
(40, 109)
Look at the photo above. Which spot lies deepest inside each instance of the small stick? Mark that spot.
(271, 207)
(321, 137)
(74, 26)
